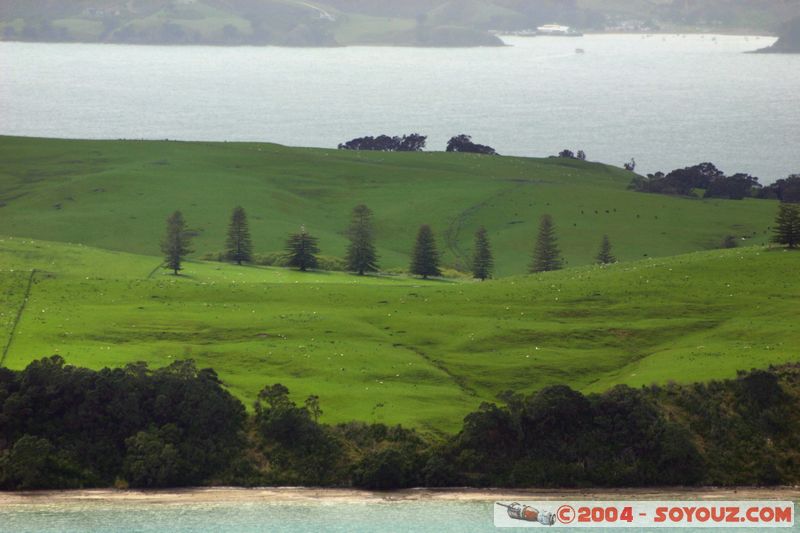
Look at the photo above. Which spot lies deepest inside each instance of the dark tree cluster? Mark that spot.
(736, 187)
(735, 419)
(700, 434)
(786, 190)
(463, 143)
(558, 437)
(413, 142)
(63, 426)
(705, 176)
(569, 154)
(302, 451)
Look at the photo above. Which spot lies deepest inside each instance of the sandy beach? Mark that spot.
(297, 494)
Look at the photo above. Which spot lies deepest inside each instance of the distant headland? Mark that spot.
(330, 23)
(789, 41)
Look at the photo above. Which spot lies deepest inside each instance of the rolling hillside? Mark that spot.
(80, 275)
(396, 349)
(117, 194)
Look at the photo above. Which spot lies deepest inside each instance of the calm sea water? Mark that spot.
(668, 100)
(405, 517)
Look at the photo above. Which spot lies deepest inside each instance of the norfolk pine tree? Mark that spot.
(238, 246)
(604, 256)
(546, 255)
(482, 261)
(425, 258)
(175, 245)
(361, 255)
(787, 225)
(302, 250)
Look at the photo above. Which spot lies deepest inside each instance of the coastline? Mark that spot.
(216, 495)
(480, 43)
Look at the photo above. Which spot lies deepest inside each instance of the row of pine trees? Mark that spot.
(302, 248)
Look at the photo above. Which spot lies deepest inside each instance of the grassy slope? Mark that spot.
(117, 194)
(402, 350)
(380, 348)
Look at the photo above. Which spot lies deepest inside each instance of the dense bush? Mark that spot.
(389, 468)
(736, 187)
(569, 154)
(463, 143)
(66, 427)
(558, 437)
(413, 142)
(704, 176)
(786, 190)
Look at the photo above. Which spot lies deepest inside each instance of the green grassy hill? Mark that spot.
(396, 349)
(117, 194)
(381, 348)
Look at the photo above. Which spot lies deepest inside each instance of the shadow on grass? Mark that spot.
(777, 248)
(369, 275)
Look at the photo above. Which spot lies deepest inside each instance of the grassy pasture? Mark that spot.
(117, 194)
(398, 349)
(87, 216)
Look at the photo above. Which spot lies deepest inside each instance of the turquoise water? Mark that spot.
(426, 517)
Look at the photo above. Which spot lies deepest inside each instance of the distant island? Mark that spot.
(239, 22)
(325, 23)
(789, 41)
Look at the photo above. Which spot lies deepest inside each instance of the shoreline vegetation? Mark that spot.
(213, 495)
(65, 427)
(487, 40)
(381, 22)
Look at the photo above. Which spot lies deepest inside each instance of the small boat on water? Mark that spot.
(580, 51)
(557, 30)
